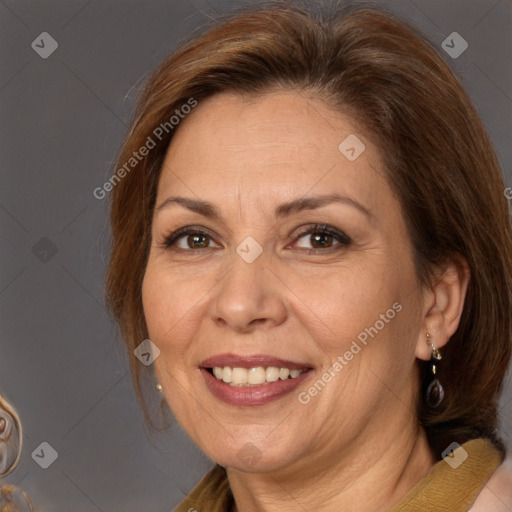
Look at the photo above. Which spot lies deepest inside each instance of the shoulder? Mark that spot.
(496, 495)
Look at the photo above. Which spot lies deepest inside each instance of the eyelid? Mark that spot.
(316, 226)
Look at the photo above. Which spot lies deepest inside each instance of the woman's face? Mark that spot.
(296, 256)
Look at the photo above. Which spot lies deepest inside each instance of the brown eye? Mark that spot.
(197, 241)
(322, 237)
(189, 238)
(321, 240)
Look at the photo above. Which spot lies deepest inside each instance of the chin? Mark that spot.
(252, 456)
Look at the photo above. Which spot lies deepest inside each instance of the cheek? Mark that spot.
(365, 315)
(346, 299)
(156, 301)
(173, 303)
(165, 303)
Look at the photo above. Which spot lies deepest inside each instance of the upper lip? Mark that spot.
(252, 361)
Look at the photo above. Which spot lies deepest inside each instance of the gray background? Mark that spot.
(63, 119)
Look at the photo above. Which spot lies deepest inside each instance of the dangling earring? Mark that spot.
(435, 392)
(159, 387)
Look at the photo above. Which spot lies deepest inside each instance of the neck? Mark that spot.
(368, 479)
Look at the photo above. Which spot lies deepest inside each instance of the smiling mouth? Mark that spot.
(252, 380)
(255, 376)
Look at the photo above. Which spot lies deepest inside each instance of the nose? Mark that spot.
(249, 297)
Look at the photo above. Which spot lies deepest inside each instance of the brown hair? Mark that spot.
(439, 159)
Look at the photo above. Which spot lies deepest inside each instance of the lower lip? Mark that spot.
(251, 395)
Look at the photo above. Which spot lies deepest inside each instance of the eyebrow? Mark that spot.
(284, 210)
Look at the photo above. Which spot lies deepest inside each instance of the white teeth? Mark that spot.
(239, 376)
(255, 376)
(227, 374)
(272, 374)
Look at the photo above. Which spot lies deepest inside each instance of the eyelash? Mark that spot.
(340, 236)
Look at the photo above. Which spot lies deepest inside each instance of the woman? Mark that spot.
(309, 225)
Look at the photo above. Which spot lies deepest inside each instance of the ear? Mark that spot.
(443, 305)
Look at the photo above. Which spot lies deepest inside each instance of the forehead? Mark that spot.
(279, 144)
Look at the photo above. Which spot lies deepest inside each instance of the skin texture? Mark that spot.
(356, 443)
(496, 496)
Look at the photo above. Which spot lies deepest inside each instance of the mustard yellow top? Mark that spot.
(444, 489)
